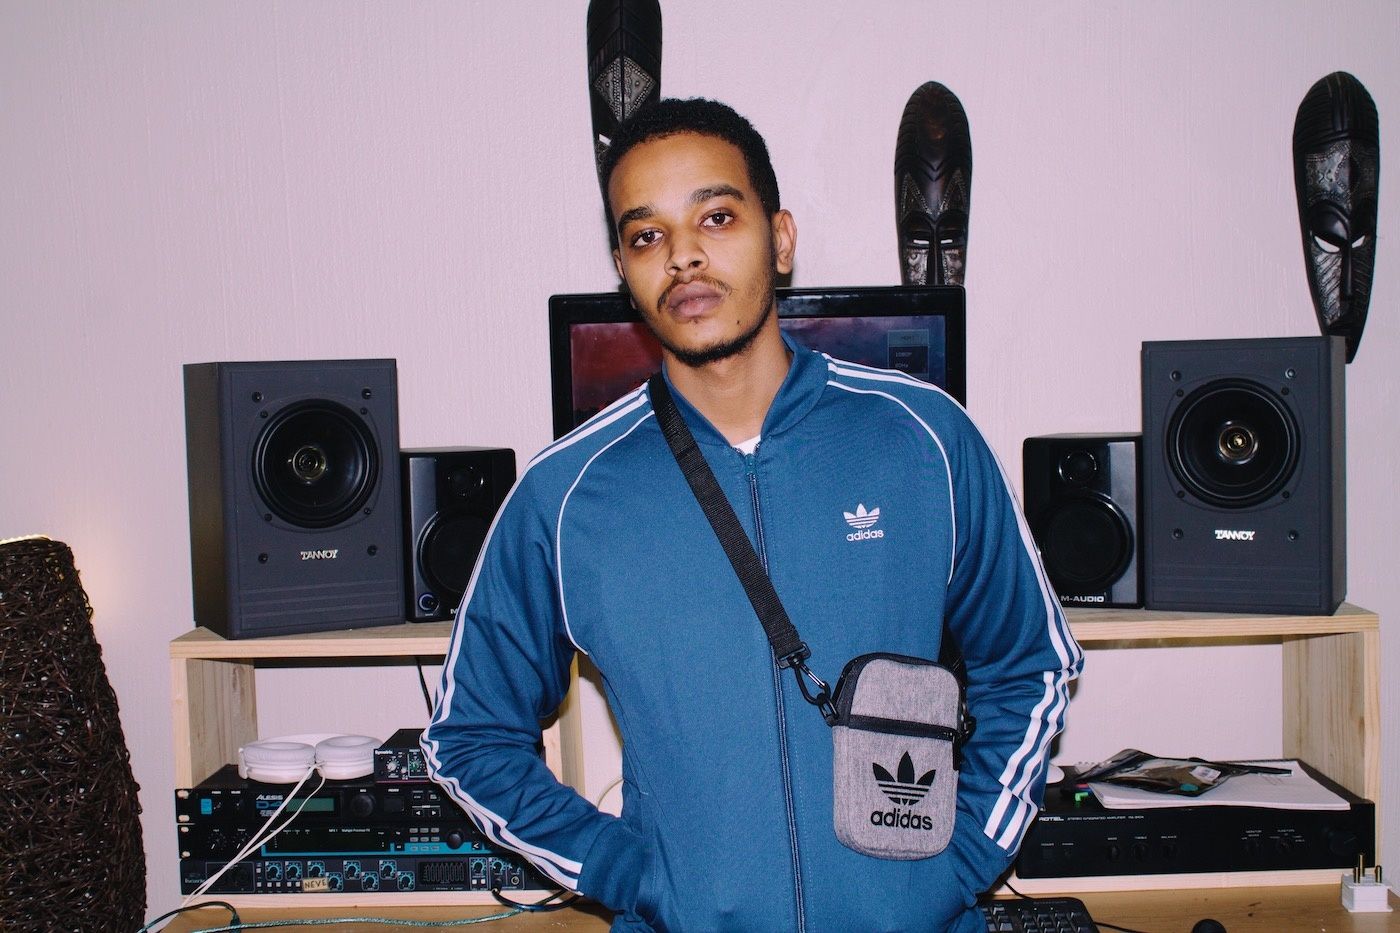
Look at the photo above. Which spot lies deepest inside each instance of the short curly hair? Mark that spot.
(670, 116)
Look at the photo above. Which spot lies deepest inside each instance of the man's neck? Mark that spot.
(735, 393)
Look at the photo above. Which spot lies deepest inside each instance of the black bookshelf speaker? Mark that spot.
(294, 495)
(1081, 501)
(1244, 475)
(450, 498)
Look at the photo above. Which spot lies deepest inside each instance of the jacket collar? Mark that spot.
(803, 385)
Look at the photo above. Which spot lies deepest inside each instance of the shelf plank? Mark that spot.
(214, 710)
(1172, 882)
(1331, 709)
(1090, 626)
(1130, 626)
(376, 899)
(425, 639)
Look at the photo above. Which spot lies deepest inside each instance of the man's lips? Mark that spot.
(692, 299)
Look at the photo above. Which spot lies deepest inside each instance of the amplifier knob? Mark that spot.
(454, 839)
(1343, 842)
(1114, 852)
(361, 805)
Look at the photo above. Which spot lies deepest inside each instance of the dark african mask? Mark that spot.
(624, 63)
(1336, 170)
(932, 186)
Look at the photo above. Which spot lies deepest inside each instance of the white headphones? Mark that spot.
(289, 758)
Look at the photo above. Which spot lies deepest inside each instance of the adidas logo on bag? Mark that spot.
(904, 788)
(863, 521)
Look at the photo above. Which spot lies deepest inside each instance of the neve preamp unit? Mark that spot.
(349, 874)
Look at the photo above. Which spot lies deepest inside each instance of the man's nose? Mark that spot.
(687, 255)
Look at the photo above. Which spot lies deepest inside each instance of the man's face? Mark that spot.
(696, 248)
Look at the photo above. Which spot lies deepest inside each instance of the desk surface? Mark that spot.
(1242, 910)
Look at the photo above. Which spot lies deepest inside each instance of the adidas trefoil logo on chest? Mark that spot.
(864, 524)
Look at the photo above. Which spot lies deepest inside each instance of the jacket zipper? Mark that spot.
(751, 474)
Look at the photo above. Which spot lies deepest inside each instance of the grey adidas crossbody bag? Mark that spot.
(898, 723)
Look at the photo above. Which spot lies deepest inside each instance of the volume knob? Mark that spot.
(361, 805)
(1343, 842)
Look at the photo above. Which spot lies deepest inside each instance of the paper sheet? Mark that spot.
(1294, 791)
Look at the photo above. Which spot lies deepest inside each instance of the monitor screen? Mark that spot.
(600, 349)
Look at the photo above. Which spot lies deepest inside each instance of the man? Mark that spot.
(602, 548)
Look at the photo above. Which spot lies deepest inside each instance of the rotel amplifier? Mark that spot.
(1074, 836)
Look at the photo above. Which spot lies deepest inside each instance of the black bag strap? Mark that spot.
(789, 651)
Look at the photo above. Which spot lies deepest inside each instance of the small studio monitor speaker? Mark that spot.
(1244, 472)
(294, 495)
(450, 496)
(1081, 501)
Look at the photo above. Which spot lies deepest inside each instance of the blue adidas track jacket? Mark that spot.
(727, 795)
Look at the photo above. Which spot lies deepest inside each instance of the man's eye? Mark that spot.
(645, 238)
(718, 219)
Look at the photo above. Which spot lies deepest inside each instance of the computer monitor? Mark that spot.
(600, 349)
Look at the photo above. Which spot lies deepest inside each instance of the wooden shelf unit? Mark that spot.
(1330, 696)
(1330, 687)
(1329, 691)
(214, 705)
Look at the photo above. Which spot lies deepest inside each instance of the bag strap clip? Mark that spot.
(822, 698)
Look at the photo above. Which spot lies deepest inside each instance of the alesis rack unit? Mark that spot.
(224, 797)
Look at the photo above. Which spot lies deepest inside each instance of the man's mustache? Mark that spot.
(664, 301)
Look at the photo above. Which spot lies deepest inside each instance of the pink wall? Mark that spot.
(184, 182)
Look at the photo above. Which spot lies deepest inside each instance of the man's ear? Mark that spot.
(617, 261)
(784, 241)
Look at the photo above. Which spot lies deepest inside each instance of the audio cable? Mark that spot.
(233, 913)
(378, 921)
(264, 835)
(235, 924)
(538, 907)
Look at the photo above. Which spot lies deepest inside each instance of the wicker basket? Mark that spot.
(70, 834)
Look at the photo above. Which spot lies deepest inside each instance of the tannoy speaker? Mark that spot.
(1081, 501)
(294, 495)
(450, 496)
(1244, 472)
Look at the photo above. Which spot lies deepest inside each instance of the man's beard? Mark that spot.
(696, 357)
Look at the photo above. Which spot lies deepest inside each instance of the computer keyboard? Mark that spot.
(1038, 915)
